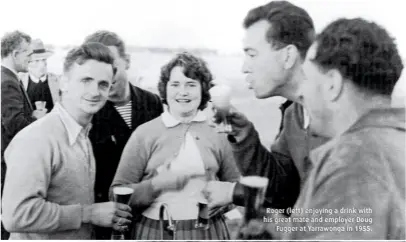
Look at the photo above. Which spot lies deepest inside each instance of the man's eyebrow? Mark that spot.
(87, 78)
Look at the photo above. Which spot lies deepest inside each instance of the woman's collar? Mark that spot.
(170, 121)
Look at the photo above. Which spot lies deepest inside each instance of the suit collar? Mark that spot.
(9, 70)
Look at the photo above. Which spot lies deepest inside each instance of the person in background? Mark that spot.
(16, 109)
(127, 108)
(40, 84)
(168, 160)
(49, 188)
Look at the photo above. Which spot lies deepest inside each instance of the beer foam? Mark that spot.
(254, 181)
(123, 190)
(221, 96)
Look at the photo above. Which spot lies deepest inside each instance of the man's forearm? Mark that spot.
(37, 216)
(254, 159)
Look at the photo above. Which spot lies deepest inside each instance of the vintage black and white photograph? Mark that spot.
(203, 120)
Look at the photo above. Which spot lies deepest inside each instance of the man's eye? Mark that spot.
(104, 85)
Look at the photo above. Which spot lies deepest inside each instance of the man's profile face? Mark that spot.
(22, 56)
(262, 63)
(120, 78)
(87, 86)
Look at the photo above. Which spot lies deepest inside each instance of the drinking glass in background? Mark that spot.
(221, 99)
(40, 105)
(121, 195)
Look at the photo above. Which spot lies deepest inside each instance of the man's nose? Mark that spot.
(245, 68)
(93, 89)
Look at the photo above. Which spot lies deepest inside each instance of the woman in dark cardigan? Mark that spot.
(167, 160)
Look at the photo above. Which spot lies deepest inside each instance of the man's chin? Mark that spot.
(92, 109)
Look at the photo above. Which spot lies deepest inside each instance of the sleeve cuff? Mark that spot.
(231, 192)
(238, 194)
(71, 217)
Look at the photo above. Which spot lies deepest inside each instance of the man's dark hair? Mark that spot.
(12, 41)
(107, 38)
(290, 25)
(363, 52)
(194, 68)
(88, 51)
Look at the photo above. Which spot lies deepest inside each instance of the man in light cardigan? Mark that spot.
(48, 191)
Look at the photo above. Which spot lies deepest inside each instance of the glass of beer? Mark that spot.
(221, 99)
(254, 191)
(202, 221)
(40, 105)
(121, 195)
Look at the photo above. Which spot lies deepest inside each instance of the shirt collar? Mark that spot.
(72, 127)
(37, 80)
(170, 121)
(378, 118)
(10, 69)
(306, 118)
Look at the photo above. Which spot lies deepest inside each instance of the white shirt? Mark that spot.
(36, 80)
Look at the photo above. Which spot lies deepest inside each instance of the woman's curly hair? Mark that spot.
(194, 68)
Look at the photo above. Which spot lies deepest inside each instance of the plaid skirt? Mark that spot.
(149, 229)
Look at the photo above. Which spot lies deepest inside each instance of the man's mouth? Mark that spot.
(92, 100)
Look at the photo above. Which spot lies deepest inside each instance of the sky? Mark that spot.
(215, 24)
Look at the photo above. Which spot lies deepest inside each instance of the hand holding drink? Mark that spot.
(40, 105)
(122, 195)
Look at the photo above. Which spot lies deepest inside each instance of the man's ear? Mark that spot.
(127, 61)
(63, 83)
(290, 55)
(14, 54)
(334, 84)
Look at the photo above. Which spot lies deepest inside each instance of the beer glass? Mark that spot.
(121, 195)
(254, 191)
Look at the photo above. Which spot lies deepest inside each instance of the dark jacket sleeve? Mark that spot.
(12, 108)
(254, 159)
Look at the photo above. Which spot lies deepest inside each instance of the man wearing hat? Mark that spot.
(39, 84)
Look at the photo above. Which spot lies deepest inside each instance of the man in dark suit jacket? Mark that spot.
(128, 107)
(16, 109)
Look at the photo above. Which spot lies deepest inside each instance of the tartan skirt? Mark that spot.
(149, 229)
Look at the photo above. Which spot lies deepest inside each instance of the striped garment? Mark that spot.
(125, 112)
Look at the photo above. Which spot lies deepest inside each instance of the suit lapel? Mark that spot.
(137, 112)
(25, 94)
(19, 83)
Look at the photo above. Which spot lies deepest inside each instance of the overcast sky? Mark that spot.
(176, 23)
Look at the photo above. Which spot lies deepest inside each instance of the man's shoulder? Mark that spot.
(53, 76)
(47, 127)
(357, 153)
(8, 76)
(39, 133)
